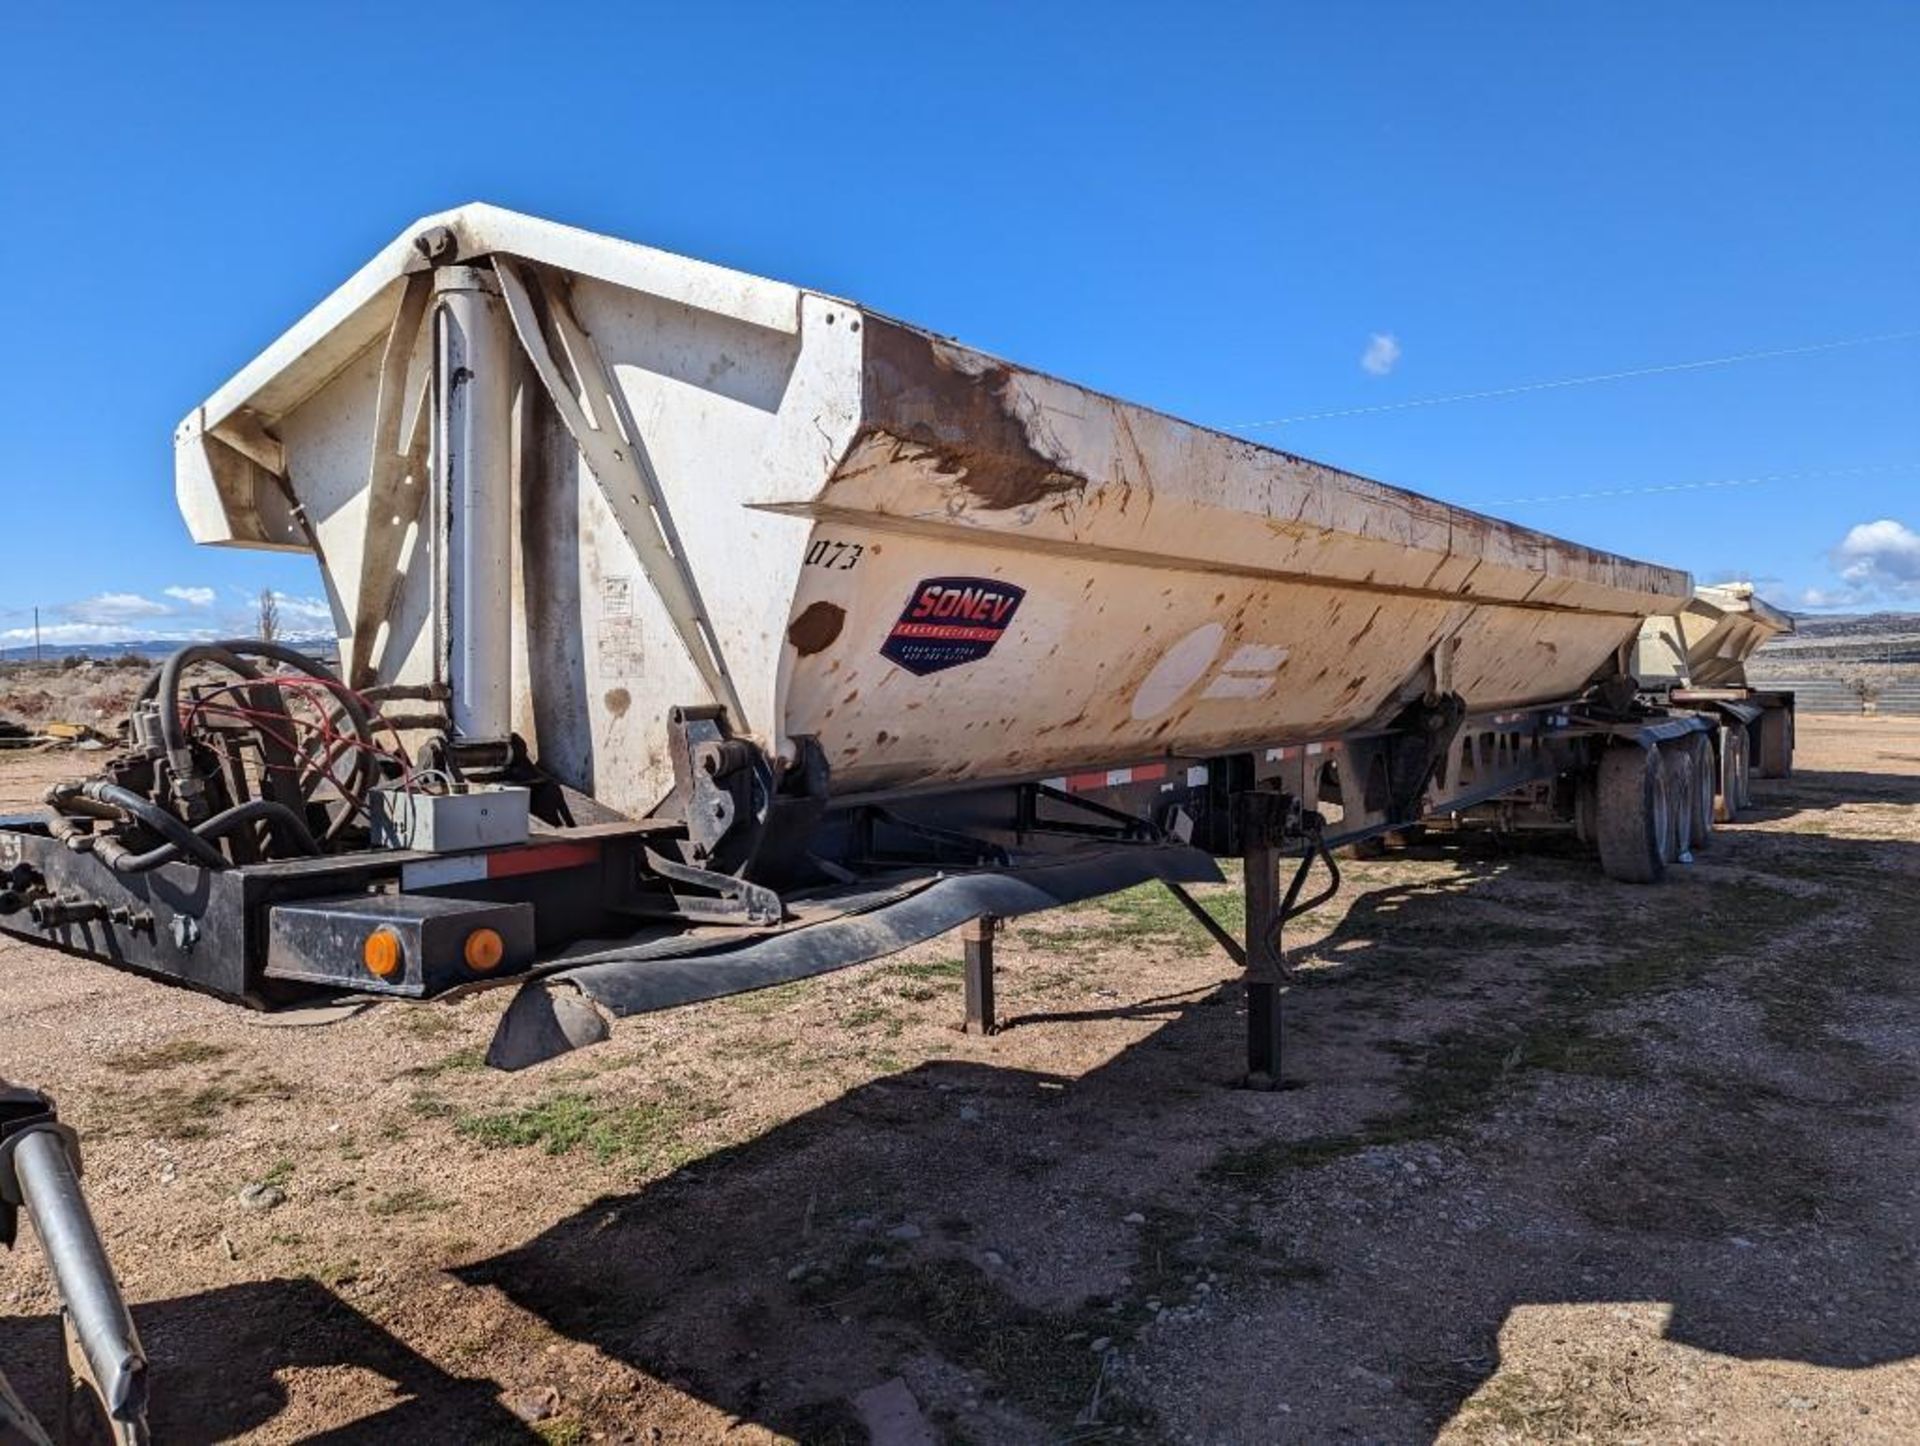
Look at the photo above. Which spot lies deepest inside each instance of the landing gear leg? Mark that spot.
(977, 944)
(1262, 865)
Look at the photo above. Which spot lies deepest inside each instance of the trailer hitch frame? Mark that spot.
(40, 1171)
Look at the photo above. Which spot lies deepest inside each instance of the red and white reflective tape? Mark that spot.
(1196, 774)
(501, 864)
(1107, 778)
(1303, 750)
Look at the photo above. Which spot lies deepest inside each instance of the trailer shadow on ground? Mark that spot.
(1513, 1087)
(1600, 1135)
(220, 1360)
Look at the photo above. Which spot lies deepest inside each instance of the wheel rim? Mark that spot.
(1660, 811)
(1680, 809)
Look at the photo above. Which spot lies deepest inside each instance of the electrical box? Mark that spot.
(470, 816)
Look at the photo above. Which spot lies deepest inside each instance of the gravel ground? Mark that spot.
(1561, 1160)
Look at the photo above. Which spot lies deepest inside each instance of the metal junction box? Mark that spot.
(472, 816)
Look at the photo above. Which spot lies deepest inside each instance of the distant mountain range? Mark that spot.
(1840, 644)
(1850, 625)
(155, 648)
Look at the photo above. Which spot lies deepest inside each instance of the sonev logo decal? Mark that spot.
(949, 621)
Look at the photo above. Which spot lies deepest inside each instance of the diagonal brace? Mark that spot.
(610, 441)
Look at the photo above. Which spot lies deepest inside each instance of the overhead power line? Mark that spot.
(1754, 481)
(1547, 386)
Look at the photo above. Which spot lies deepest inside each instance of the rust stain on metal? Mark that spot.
(618, 700)
(963, 416)
(816, 627)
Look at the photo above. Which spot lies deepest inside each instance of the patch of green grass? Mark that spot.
(185, 1113)
(1175, 1244)
(927, 969)
(1451, 1079)
(1149, 913)
(920, 981)
(278, 1173)
(770, 1001)
(473, 1057)
(863, 1015)
(408, 1200)
(642, 1134)
(562, 1431)
(426, 1105)
(336, 1273)
(1699, 1178)
(170, 1055)
(1025, 1352)
(425, 1021)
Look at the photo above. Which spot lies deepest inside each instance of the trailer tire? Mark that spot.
(1676, 759)
(1732, 759)
(1700, 760)
(1633, 824)
(1586, 806)
(1776, 743)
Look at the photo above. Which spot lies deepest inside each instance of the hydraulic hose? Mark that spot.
(166, 683)
(67, 799)
(231, 654)
(285, 823)
(155, 818)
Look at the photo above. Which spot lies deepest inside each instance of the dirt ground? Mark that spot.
(97, 695)
(1561, 1160)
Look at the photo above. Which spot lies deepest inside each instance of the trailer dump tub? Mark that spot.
(805, 632)
(1697, 658)
(1707, 643)
(942, 568)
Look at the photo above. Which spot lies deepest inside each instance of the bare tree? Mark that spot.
(269, 614)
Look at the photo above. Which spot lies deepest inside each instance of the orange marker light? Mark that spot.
(381, 953)
(485, 949)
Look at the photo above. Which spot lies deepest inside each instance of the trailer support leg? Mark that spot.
(977, 941)
(1262, 865)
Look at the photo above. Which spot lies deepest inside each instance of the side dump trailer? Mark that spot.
(698, 632)
(1696, 660)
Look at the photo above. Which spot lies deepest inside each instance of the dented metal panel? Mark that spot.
(944, 568)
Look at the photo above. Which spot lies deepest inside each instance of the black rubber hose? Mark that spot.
(283, 820)
(155, 818)
(300, 662)
(166, 684)
(229, 653)
(290, 827)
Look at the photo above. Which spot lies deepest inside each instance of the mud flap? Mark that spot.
(564, 1010)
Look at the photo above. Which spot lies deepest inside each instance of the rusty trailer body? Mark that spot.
(1114, 584)
(809, 633)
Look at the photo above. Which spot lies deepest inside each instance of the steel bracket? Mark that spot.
(723, 787)
(733, 900)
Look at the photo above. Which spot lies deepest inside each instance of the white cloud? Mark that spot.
(1829, 597)
(1882, 555)
(1382, 354)
(194, 614)
(53, 635)
(310, 613)
(111, 608)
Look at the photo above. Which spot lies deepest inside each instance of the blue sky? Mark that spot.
(1215, 210)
